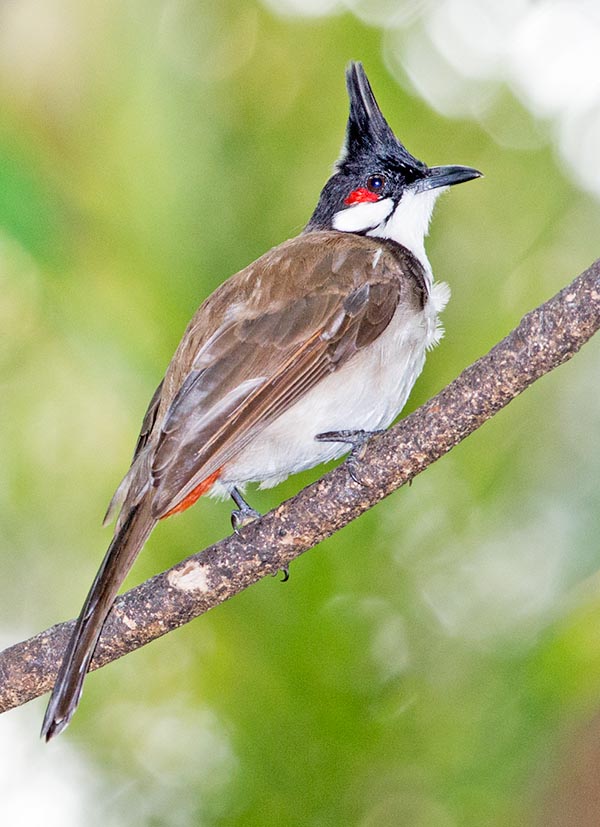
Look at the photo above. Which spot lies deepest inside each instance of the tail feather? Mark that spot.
(117, 562)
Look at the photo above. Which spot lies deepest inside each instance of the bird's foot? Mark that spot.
(285, 574)
(244, 514)
(358, 439)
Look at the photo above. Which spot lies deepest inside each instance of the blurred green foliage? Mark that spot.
(432, 664)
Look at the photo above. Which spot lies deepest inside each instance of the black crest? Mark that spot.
(368, 134)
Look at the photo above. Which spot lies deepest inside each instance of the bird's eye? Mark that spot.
(375, 183)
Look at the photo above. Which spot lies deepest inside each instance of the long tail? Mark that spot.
(116, 564)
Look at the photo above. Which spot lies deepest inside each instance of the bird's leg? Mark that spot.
(244, 514)
(358, 440)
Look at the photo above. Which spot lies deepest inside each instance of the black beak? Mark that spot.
(444, 177)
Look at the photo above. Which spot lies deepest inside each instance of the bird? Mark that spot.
(295, 360)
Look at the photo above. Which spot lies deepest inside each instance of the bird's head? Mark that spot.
(379, 188)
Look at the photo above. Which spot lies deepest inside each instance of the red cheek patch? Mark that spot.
(361, 195)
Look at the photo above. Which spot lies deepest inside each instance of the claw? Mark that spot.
(358, 439)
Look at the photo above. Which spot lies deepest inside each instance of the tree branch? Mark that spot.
(545, 338)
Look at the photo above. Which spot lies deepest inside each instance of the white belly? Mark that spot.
(367, 393)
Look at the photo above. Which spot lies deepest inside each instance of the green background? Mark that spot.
(436, 663)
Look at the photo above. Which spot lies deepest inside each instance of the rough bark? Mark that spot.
(548, 336)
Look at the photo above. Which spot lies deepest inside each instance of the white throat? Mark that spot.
(409, 223)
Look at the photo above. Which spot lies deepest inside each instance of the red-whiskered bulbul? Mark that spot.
(289, 363)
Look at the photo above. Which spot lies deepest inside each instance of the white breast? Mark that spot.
(367, 393)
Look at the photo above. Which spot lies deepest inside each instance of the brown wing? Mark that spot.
(148, 423)
(274, 342)
(149, 420)
(255, 345)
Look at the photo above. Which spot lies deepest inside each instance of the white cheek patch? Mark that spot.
(362, 217)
